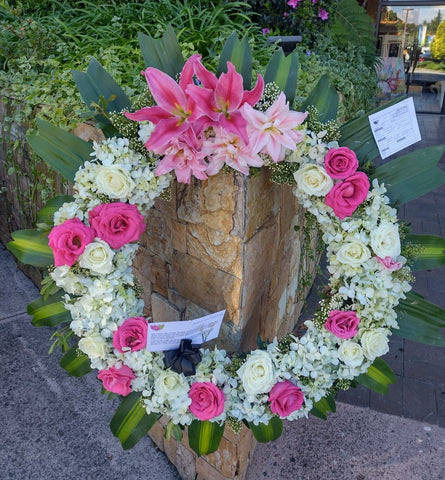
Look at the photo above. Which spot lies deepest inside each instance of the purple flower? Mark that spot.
(293, 3)
(266, 31)
(323, 14)
(308, 53)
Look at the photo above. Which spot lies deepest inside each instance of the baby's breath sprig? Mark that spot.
(270, 94)
(330, 129)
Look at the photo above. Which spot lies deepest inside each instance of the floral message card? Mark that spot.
(168, 335)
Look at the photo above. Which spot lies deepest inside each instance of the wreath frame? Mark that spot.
(244, 399)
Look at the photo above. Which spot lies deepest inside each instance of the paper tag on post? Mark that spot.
(395, 127)
(168, 335)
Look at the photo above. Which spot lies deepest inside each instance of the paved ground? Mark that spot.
(56, 427)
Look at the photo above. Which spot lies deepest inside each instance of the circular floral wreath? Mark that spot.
(200, 125)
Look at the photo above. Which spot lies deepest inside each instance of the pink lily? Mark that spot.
(274, 130)
(229, 148)
(220, 99)
(389, 263)
(174, 109)
(183, 155)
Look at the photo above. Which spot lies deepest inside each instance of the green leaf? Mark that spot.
(420, 320)
(432, 254)
(320, 408)
(31, 247)
(131, 422)
(61, 150)
(97, 82)
(46, 214)
(357, 135)
(378, 376)
(413, 175)
(267, 432)
(284, 72)
(75, 362)
(163, 53)
(325, 98)
(48, 312)
(205, 436)
(237, 52)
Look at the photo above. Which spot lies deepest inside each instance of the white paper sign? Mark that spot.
(395, 127)
(168, 335)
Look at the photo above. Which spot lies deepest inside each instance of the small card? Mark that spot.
(168, 335)
(395, 127)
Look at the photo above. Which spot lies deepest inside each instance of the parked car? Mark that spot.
(426, 55)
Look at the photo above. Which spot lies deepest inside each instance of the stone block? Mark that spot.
(162, 310)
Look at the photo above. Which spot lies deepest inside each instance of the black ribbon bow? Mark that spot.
(183, 359)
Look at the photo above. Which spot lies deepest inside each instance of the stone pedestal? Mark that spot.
(226, 243)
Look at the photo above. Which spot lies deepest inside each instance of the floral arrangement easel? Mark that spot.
(195, 123)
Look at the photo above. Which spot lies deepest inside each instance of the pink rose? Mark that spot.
(207, 400)
(117, 380)
(342, 324)
(346, 196)
(132, 333)
(389, 263)
(340, 162)
(68, 241)
(117, 223)
(285, 398)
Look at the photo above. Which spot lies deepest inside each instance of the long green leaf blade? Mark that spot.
(97, 82)
(205, 436)
(378, 376)
(267, 432)
(413, 175)
(163, 53)
(48, 312)
(237, 52)
(131, 423)
(325, 98)
(283, 71)
(75, 362)
(420, 320)
(320, 408)
(61, 150)
(46, 214)
(432, 254)
(31, 247)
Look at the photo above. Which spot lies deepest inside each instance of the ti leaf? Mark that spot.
(96, 82)
(75, 362)
(162, 53)
(420, 320)
(131, 423)
(325, 98)
(267, 432)
(46, 214)
(205, 436)
(283, 71)
(237, 52)
(432, 254)
(63, 151)
(31, 247)
(378, 376)
(48, 312)
(413, 175)
(320, 408)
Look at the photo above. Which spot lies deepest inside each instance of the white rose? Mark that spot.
(169, 384)
(385, 240)
(114, 182)
(97, 257)
(351, 354)
(257, 373)
(94, 345)
(353, 253)
(375, 343)
(313, 180)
